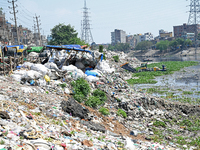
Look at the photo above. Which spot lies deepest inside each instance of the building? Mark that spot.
(131, 41)
(146, 37)
(5, 34)
(181, 30)
(118, 36)
(25, 35)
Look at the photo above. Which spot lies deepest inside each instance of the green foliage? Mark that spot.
(2, 142)
(104, 111)
(159, 123)
(120, 112)
(81, 89)
(81, 86)
(104, 56)
(147, 76)
(93, 102)
(187, 92)
(119, 47)
(101, 48)
(63, 85)
(162, 45)
(144, 45)
(116, 58)
(65, 34)
(100, 94)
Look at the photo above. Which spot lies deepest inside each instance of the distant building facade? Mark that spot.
(181, 30)
(131, 41)
(146, 37)
(118, 36)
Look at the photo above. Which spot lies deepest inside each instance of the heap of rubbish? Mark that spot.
(38, 113)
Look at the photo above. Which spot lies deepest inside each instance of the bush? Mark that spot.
(104, 111)
(121, 112)
(159, 123)
(93, 102)
(63, 85)
(100, 94)
(81, 86)
(104, 56)
(116, 58)
(101, 48)
(81, 89)
(79, 97)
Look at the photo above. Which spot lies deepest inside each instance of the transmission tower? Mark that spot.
(194, 18)
(86, 34)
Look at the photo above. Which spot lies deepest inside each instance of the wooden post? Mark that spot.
(3, 63)
(11, 70)
(14, 62)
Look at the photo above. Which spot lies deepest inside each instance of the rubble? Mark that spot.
(38, 110)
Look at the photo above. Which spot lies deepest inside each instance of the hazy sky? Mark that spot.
(132, 16)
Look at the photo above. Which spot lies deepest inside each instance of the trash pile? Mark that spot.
(38, 111)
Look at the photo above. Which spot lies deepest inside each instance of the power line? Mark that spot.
(14, 12)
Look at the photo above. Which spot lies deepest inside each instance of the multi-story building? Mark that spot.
(164, 34)
(5, 34)
(118, 36)
(179, 31)
(131, 40)
(146, 37)
(25, 35)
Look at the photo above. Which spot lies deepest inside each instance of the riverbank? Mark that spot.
(147, 77)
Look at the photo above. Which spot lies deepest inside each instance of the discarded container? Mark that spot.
(47, 78)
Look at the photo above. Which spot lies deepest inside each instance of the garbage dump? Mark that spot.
(38, 110)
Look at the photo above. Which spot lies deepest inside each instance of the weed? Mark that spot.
(2, 142)
(63, 85)
(159, 123)
(116, 58)
(187, 92)
(121, 112)
(104, 111)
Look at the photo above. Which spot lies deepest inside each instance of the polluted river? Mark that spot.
(183, 85)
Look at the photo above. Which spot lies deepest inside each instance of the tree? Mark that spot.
(162, 45)
(119, 47)
(65, 34)
(144, 45)
(101, 48)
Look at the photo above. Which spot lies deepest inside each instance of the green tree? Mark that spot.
(162, 45)
(119, 47)
(65, 34)
(144, 45)
(101, 48)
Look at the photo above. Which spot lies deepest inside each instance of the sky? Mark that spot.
(132, 16)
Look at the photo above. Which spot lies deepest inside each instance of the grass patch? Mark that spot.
(104, 111)
(120, 112)
(146, 77)
(116, 58)
(187, 92)
(159, 123)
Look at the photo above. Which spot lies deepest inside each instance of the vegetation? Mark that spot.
(122, 113)
(101, 48)
(145, 45)
(159, 123)
(116, 58)
(146, 77)
(164, 45)
(104, 111)
(65, 34)
(81, 89)
(187, 92)
(100, 94)
(63, 85)
(119, 47)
